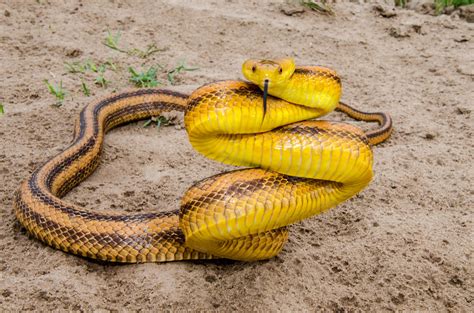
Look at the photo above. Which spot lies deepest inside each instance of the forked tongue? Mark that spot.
(265, 94)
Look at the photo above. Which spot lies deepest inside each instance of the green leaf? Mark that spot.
(440, 5)
(101, 68)
(162, 121)
(111, 41)
(132, 71)
(2, 111)
(144, 79)
(178, 69)
(320, 6)
(159, 121)
(57, 91)
(100, 80)
(111, 65)
(150, 49)
(75, 67)
(91, 66)
(85, 89)
(147, 123)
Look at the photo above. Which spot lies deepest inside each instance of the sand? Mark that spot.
(404, 243)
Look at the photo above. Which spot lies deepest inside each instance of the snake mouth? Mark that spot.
(265, 95)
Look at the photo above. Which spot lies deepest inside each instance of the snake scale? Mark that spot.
(297, 167)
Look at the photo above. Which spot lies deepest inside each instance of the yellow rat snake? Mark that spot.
(299, 167)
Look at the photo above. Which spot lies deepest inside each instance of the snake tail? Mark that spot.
(376, 136)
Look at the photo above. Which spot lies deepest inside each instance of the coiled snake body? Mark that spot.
(299, 168)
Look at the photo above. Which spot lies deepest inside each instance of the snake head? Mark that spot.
(275, 72)
(268, 74)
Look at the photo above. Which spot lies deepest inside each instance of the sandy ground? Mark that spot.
(404, 243)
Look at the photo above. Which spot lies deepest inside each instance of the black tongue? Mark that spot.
(265, 94)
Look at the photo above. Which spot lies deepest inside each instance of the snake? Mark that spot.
(295, 166)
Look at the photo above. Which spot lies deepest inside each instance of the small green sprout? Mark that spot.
(440, 5)
(144, 79)
(159, 121)
(75, 67)
(111, 41)
(150, 49)
(90, 65)
(178, 69)
(85, 89)
(111, 65)
(2, 111)
(320, 6)
(401, 3)
(57, 91)
(101, 81)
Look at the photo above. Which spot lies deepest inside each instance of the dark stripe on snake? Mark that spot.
(305, 71)
(238, 189)
(313, 131)
(91, 141)
(249, 90)
(72, 211)
(137, 242)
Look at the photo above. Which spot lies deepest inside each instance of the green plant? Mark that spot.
(401, 3)
(2, 111)
(89, 65)
(320, 6)
(85, 89)
(150, 49)
(100, 79)
(159, 121)
(57, 91)
(111, 41)
(75, 67)
(178, 69)
(144, 79)
(441, 4)
(111, 65)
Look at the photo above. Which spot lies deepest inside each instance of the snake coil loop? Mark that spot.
(298, 168)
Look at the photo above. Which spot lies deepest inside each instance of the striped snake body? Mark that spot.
(298, 168)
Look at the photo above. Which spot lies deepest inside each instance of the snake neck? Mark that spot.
(235, 107)
(311, 86)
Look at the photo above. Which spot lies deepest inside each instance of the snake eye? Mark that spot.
(280, 70)
(254, 68)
